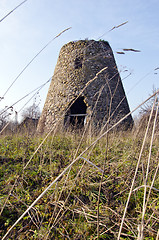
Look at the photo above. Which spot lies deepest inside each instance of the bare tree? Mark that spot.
(4, 118)
(32, 112)
(146, 110)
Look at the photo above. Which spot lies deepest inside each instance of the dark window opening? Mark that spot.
(76, 114)
(78, 63)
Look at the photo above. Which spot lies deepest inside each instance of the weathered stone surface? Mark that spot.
(79, 71)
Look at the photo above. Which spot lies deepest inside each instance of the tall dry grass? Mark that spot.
(102, 186)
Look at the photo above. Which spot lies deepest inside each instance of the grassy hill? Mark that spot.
(96, 182)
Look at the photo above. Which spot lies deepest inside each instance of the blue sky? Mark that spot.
(28, 29)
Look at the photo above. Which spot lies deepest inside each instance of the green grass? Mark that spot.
(70, 209)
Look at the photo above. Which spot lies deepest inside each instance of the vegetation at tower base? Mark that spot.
(85, 88)
(70, 208)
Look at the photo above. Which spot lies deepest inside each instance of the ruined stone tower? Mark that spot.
(85, 85)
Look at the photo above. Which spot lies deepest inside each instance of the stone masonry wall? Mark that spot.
(78, 63)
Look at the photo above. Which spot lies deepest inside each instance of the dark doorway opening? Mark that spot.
(76, 114)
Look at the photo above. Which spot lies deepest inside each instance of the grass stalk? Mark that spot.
(135, 174)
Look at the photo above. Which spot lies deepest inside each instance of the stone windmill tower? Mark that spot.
(86, 84)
